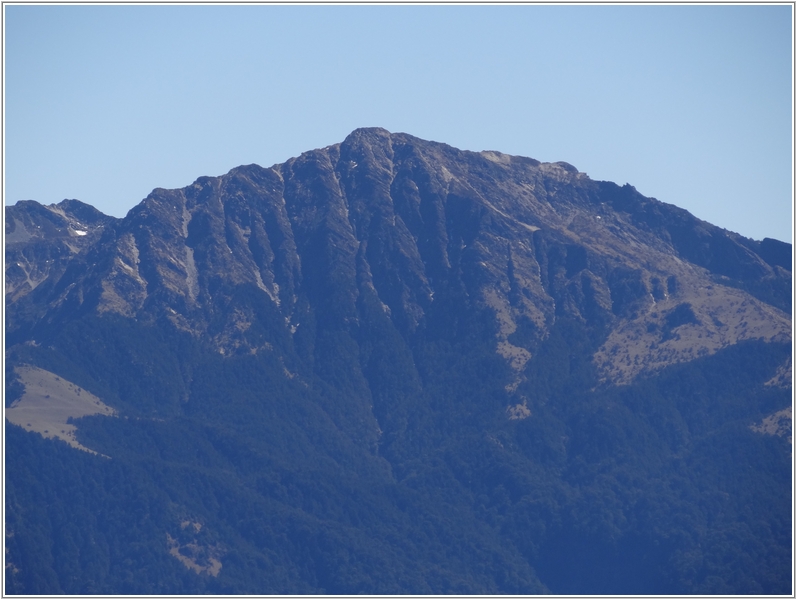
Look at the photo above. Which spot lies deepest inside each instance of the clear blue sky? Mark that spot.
(690, 104)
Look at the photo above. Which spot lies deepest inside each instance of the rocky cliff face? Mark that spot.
(42, 240)
(471, 322)
(406, 221)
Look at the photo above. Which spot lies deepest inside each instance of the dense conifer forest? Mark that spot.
(659, 486)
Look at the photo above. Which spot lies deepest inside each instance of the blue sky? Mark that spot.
(690, 104)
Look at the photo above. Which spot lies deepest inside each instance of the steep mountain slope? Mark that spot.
(391, 366)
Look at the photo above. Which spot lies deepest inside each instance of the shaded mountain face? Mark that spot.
(391, 366)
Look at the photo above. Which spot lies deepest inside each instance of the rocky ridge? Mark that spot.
(402, 219)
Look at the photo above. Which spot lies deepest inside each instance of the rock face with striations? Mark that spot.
(381, 273)
(401, 219)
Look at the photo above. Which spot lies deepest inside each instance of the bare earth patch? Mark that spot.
(518, 412)
(782, 377)
(196, 557)
(48, 403)
(516, 356)
(778, 423)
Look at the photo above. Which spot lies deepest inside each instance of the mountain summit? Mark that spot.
(392, 366)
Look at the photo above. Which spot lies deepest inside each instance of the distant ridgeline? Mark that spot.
(389, 366)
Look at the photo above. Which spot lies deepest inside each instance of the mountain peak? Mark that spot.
(531, 242)
(463, 372)
(369, 131)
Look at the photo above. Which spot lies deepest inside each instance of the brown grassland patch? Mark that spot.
(49, 402)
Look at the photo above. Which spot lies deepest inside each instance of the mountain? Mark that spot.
(389, 366)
